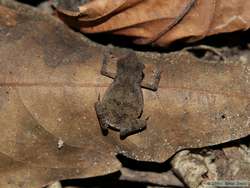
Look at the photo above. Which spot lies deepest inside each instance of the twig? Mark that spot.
(208, 48)
(162, 179)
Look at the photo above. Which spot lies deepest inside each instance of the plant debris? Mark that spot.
(156, 22)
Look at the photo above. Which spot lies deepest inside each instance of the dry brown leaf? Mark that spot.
(50, 79)
(160, 22)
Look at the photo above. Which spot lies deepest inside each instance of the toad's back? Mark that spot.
(124, 99)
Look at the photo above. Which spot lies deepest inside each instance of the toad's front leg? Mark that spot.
(153, 85)
(132, 126)
(102, 115)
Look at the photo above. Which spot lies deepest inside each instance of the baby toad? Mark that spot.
(122, 104)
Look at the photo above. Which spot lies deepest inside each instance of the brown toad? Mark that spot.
(122, 104)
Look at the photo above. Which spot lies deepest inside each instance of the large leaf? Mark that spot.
(50, 79)
(161, 22)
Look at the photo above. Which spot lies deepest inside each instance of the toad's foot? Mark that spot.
(130, 127)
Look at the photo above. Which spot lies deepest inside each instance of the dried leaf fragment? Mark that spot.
(160, 22)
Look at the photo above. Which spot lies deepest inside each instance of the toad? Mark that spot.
(122, 104)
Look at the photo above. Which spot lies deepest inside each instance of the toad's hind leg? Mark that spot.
(102, 115)
(130, 127)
